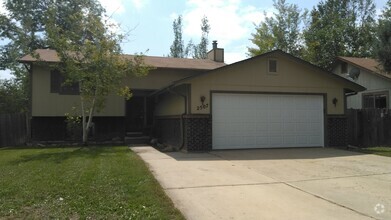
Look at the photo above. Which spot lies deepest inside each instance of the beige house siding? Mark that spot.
(53, 104)
(372, 82)
(252, 76)
(159, 78)
(45, 103)
(170, 103)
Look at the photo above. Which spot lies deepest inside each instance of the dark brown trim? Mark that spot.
(142, 92)
(167, 117)
(265, 92)
(184, 116)
(197, 116)
(336, 116)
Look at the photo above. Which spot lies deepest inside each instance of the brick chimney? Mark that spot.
(216, 54)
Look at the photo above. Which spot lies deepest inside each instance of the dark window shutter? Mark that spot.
(55, 81)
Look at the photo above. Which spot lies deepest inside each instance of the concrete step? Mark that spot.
(137, 140)
(134, 134)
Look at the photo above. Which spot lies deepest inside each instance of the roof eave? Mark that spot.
(362, 67)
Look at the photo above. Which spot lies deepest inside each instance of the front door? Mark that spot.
(135, 114)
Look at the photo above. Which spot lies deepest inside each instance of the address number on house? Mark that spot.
(203, 106)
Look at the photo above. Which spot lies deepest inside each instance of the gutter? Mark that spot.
(182, 124)
(350, 94)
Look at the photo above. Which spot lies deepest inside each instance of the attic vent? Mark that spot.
(344, 68)
(354, 73)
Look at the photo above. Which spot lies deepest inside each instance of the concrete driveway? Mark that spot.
(312, 183)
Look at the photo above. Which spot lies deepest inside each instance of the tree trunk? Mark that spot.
(83, 119)
(87, 123)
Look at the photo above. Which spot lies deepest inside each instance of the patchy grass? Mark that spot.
(79, 183)
(383, 151)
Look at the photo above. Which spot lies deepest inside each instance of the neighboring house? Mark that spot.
(368, 73)
(271, 100)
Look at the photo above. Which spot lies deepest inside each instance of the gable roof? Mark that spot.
(51, 56)
(371, 65)
(274, 52)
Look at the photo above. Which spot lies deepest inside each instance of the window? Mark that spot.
(55, 81)
(375, 100)
(344, 68)
(272, 66)
(57, 84)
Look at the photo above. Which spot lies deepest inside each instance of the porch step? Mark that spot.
(137, 140)
(134, 134)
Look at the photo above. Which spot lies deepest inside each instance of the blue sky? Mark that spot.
(231, 21)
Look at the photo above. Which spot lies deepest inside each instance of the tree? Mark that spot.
(12, 97)
(197, 51)
(177, 48)
(22, 31)
(383, 46)
(340, 28)
(201, 50)
(90, 55)
(281, 31)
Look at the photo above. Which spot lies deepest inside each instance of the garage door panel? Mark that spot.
(266, 120)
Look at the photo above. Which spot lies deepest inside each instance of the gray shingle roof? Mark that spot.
(48, 55)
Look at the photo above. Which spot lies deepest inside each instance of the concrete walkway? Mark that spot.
(314, 183)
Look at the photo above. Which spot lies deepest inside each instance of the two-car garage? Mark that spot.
(241, 121)
(273, 100)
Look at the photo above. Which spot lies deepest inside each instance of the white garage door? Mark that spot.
(266, 121)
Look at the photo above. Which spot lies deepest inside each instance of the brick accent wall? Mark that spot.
(168, 131)
(55, 128)
(198, 132)
(337, 131)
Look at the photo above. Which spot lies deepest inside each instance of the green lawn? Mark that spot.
(383, 151)
(85, 183)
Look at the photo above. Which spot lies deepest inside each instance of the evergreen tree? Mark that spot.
(201, 50)
(177, 48)
(197, 51)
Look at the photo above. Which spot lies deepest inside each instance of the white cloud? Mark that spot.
(230, 22)
(139, 4)
(235, 54)
(5, 74)
(113, 6)
(2, 7)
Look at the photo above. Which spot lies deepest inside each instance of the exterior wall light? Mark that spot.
(335, 100)
(202, 99)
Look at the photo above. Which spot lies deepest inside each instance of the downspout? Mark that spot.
(30, 102)
(182, 124)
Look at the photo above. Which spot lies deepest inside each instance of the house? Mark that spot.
(368, 73)
(271, 100)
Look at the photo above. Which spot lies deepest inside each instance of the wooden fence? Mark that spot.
(369, 127)
(13, 129)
